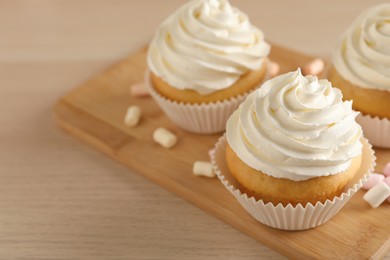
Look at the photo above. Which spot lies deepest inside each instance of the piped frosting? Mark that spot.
(295, 127)
(206, 46)
(362, 55)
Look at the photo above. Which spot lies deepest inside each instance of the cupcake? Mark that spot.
(361, 69)
(204, 59)
(293, 153)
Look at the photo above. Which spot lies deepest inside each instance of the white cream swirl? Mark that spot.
(363, 54)
(295, 127)
(206, 45)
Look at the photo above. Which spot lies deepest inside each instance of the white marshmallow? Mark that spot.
(387, 181)
(164, 137)
(377, 194)
(203, 169)
(133, 115)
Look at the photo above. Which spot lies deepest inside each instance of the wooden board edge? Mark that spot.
(84, 136)
(382, 251)
(75, 131)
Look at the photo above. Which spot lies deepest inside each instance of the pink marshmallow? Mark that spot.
(314, 67)
(386, 170)
(139, 90)
(273, 69)
(211, 152)
(373, 180)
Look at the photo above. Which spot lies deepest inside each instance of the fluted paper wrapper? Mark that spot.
(375, 129)
(289, 217)
(207, 118)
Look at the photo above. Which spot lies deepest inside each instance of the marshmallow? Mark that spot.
(164, 137)
(386, 170)
(387, 180)
(211, 152)
(133, 115)
(377, 194)
(314, 67)
(373, 180)
(273, 69)
(139, 90)
(203, 169)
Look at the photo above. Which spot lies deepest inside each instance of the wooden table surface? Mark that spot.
(60, 199)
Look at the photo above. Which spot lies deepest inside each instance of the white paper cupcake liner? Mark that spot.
(375, 129)
(289, 217)
(207, 118)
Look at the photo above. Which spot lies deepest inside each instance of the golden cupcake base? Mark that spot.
(291, 217)
(245, 84)
(205, 118)
(285, 191)
(373, 102)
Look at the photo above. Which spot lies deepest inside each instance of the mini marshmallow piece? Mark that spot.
(211, 152)
(373, 180)
(386, 170)
(273, 69)
(314, 67)
(387, 181)
(164, 137)
(139, 90)
(203, 169)
(377, 194)
(133, 115)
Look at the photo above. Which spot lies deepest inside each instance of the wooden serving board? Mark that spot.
(94, 112)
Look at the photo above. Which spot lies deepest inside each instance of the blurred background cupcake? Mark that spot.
(293, 154)
(361, 69)
(204, 59)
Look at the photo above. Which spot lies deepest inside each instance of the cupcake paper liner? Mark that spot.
(289, 217)
(207, 118)
(375, 129)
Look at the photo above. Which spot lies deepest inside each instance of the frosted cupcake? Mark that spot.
(204, 59)
(293, 150)
(361, 69)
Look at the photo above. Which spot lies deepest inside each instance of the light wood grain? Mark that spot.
(63, 200)
(94, 112)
